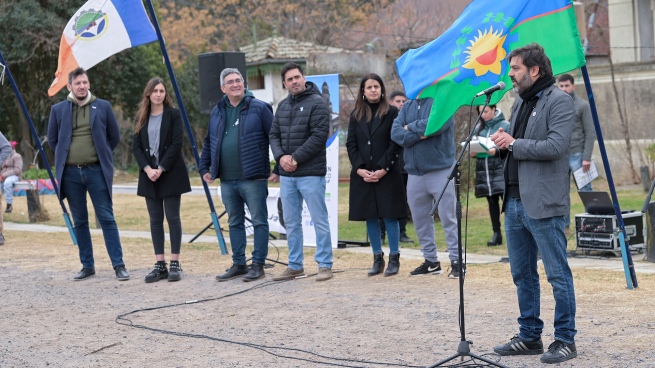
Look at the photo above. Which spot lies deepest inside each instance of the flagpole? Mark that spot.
(628, 265)
(38, 143)
(178, 95)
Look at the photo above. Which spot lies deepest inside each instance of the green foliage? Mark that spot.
(34, 173)
(31, 32)
(650, 152)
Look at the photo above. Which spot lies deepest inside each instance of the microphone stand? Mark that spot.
(464, 348)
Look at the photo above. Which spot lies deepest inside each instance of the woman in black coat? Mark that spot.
(376, 185)
(163, 176)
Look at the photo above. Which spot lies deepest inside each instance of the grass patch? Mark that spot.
(131, 214)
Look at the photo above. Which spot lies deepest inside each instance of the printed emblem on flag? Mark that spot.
(472, 53)
(486, 52)
(90, 25)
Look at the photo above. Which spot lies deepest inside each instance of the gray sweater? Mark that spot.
(422, 156)
(5, 149)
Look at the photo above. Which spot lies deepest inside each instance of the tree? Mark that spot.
(227, 25)
(31, 32)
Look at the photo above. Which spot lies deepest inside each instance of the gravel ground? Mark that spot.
(351, 320)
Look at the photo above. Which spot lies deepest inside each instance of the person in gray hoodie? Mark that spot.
(428, 161)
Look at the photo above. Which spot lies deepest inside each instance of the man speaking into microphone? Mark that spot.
(536, 152)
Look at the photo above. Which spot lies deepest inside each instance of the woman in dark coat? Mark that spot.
(376, 186)
(163, 177)
(489, 179)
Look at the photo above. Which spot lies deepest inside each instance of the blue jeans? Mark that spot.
(375, 237)
(575, 162)
(8, 186)
(75, 183)
(526, 239)
(312, 189)
(234, 193)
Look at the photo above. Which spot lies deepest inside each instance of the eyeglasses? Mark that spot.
(233, 81)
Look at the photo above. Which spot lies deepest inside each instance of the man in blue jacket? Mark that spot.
(428, 161)
(236, 152)
(83, 132)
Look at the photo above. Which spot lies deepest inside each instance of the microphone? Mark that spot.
(498, 87)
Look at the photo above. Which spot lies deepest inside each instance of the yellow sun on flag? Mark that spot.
(486, 52)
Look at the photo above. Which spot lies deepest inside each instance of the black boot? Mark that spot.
(394, 265)
(378, 265)
(497, 239)
(233, 272)
(174, 271)
(159, 272)
(256, 272)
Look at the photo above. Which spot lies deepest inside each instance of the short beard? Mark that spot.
(523, 85)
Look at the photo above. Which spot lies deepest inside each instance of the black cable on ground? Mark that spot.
(123, 320)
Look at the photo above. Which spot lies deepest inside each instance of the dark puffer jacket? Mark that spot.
(300, 129)
(255, 117)
(489, 179)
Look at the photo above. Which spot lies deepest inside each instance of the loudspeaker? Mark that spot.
(210, 66)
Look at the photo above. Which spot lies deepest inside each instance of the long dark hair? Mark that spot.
(483, 123)
(362, 110)
(143, 113)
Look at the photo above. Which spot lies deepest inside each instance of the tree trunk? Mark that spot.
(625, 126)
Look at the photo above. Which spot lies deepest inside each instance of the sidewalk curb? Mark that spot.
(582, 261)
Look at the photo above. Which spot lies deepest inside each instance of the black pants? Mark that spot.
(494, 211)
(170, 206)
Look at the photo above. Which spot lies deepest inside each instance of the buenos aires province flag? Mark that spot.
(98, 30)
(472, 54)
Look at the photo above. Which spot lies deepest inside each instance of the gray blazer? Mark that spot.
(543, 154)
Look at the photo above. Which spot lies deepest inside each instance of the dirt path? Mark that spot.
(49, 320)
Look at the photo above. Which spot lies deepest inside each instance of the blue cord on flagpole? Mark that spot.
(628, 265)
(38, 143)
(192, 140)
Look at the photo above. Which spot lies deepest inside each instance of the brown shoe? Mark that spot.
(289, 274)
(324, 274)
